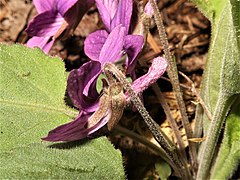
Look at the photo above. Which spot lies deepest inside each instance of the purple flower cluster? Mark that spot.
(106, 45)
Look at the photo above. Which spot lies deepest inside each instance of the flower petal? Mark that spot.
(45, 24)
(77, 11)
(123, 14)
(44, 43)
(80, 82)
(107, 10)
(133, 45)
(64, 5)
(75, 130)
(112, 48)
(94, 43)
(47, 5)
(156, 70)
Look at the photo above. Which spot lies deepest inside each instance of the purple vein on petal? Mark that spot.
(123, 14)
(45, 24)
(107, 10)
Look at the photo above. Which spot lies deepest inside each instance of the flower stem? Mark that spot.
(173, 75)
(159, 136)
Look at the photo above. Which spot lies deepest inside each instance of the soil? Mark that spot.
(188, 34)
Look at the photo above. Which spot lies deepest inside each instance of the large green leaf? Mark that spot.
(32, 91)
(32, 103)
(222, 75)
(221, 83)
(95, 159)
(229, 154)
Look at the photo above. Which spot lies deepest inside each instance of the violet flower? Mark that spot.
(113, 14)
(79, 128)
(54, 17)
(103, 46)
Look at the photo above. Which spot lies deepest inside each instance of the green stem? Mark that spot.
(206, 153)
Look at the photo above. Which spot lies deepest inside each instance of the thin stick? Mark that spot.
(170, 119)
(168, 113)
(173, 75)
(164, 104)
(193, 89)
(174, 127)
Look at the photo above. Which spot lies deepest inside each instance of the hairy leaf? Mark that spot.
(221, 83)
(32, 90)
(95, 159)
(229, 155)
(32, 103)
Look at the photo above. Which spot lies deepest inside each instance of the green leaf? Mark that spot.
(221, 83)
(206, 7)
(32, 103)
(211, 8)
(236, 19)
(222, 73)
(229, 155)
(163, 169)
(95, 159)
(32, 91)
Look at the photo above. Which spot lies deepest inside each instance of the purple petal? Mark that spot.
(123, 14)
(75, 130)
(156, 70)
(80, 82)
(133, 45)
(45, 24)
(77, 11)
(107, 10)
(47, 5)
(64, 5)
(44, 43)
(112, 49)
(94, 43)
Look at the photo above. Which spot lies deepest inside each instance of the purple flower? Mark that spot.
(113, 14)
(54, 17)
(82, 126)
(101, 47)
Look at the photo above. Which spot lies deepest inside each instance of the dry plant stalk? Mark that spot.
(173, 75)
